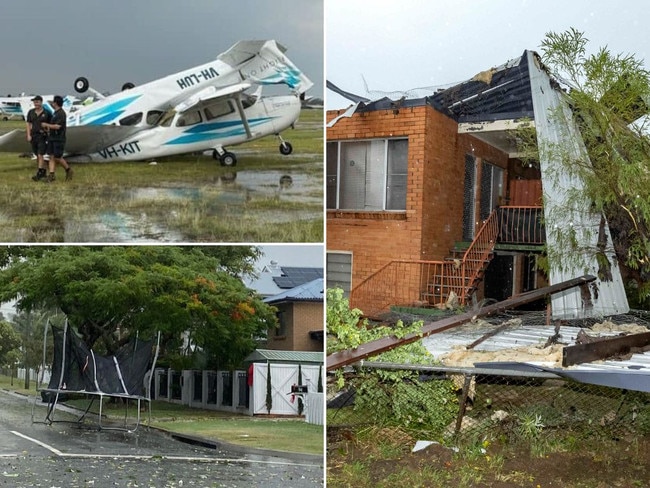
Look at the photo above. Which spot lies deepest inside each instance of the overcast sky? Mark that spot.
(399, 45)
(305, 255)
(45, 45)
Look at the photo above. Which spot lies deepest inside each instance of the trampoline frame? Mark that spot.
(53, 393)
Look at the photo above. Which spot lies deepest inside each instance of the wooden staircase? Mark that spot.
(465, 268)
(428, 283)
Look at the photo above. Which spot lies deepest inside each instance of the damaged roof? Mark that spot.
(522, 93)
(520, 345)
(500, 93)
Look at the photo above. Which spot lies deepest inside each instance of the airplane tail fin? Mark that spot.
(264, 63)
(25, 106)
(67, 103)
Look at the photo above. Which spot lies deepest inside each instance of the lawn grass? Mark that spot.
(290, 435)
(181, 199)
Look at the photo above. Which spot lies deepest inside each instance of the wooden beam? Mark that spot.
(603, 348)
(373, 348)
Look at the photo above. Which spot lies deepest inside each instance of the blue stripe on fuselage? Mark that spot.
(108, 113)
(207, 131)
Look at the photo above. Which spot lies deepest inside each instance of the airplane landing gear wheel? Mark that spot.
(228, 159)
(286, 148)
(81, 84)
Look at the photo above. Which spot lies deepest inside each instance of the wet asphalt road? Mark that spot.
(66, 456)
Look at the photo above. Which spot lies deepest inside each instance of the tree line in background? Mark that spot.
(194, 296)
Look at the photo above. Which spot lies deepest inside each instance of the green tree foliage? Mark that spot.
(110, 292)
(346, 330)
(30, 326)
(389, 397)
(301, 406)
(609, 94)
(320, 379)
(9, 343)
(269, 388)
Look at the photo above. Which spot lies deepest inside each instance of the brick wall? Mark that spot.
(432, 221)
(301, 317)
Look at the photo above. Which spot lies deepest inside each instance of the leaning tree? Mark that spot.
(610, 96)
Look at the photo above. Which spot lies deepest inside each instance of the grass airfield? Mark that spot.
(267, 197)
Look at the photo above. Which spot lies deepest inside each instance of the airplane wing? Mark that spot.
(211, 94)
(83, 139)
(15, 141)
(88, 139)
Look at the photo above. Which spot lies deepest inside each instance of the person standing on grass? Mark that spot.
(56, 139)
(36, 134)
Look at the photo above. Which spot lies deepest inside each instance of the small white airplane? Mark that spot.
(207, 107)
(70, 104)
(10, 107)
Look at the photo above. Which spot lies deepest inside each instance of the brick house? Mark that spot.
(429, 199)
(300, 317)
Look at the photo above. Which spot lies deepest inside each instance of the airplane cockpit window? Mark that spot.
(132, 119)
(189, 118)
(167, 118)
(218, 109)
(153, 116)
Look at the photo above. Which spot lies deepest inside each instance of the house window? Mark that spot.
(281, 331)
(488, 188)
(468, 201)
(339, 271)
(367, 175)
(491, 188)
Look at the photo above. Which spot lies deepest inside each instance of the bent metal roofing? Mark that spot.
(501, 93)
(520, 347)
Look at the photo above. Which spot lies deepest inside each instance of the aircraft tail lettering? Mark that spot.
(269, 65)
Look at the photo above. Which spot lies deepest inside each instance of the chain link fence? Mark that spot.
(466, 405)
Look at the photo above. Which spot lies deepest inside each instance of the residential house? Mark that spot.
(429, 199)
(274, 278)
(300, 318)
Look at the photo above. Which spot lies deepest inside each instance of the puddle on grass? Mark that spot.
(227, 191)
(119, 227)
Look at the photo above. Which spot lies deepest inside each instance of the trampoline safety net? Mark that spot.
(77, 368)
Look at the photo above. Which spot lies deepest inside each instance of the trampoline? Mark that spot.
(78, 372)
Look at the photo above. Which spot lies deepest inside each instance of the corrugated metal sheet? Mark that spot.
(555, 127)
(310, 292)
(516, 337)
(271, 355)
(521, 336)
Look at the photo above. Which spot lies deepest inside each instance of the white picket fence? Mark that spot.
(229, 391)
(20, 374)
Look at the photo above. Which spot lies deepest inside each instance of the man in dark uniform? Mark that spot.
(36, 135)
(56, 138)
